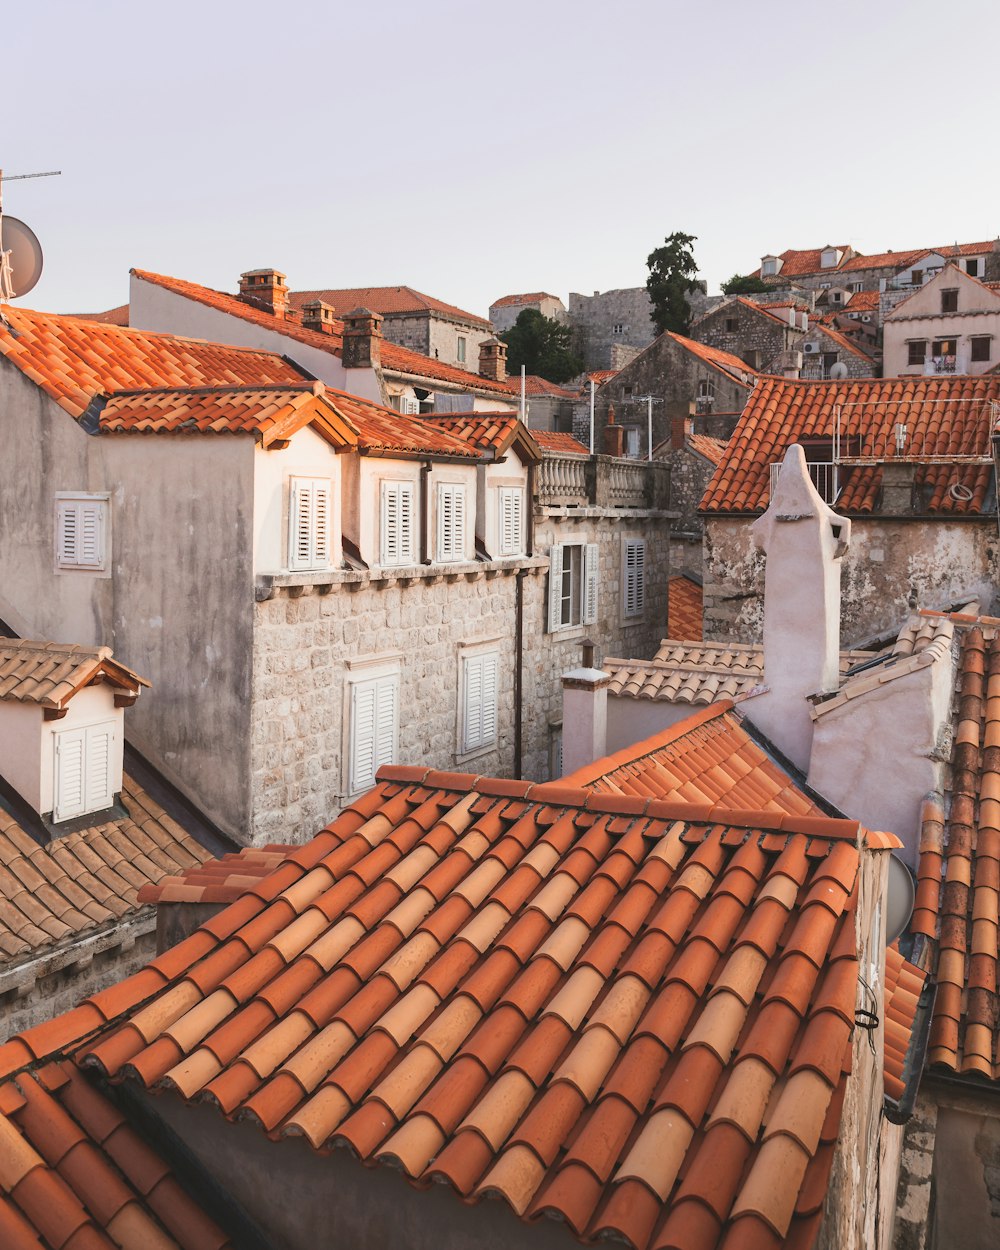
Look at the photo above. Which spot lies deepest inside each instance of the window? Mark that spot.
(82, 532)
(752, 358)
(829, 258)
(857, 286)
(451, 522)
(706, 388)
(573, 571)
(829, 360)
(632, 441)
(479, 701)
(769, 266)
(980, 347)
(461, 350)
(374, 727)
(511, 520)
(825, 286)
(618, 327)
(730, 325)
(949, 300)
(943, 354)
(84, 764)
(972, 266)
(916, 351)
(917, 277)
(837, 296)
(309, 522)
(397, 523)
(633, 577)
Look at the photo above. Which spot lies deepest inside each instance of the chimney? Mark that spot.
(681, 429)
(804, 541)
(614, 435)
(319, 317)
(789, 363)
(585, 713)
(362, 339)
(265, 288)
(493, 359)
(898, 488)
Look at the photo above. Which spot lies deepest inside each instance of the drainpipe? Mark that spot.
(529, 520)
(425, 481)
(518, 667)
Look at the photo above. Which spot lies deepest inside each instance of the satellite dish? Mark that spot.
(25, 254)
(900, 897)
(838, 370)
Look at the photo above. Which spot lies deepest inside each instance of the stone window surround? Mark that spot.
(465, 651)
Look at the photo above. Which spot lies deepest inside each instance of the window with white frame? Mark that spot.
(633, 577)
(450, 522)
(84, 770)
(461, 350)
(511, 520)
(479, 679)
(82, 524)
(573, 573)
(310, 509)
(397, 523)
(373, 730)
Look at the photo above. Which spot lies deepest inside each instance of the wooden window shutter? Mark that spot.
(634, 568)
(397, 523)
(591, 563)
(100, 753)
(511, 521)
(451, 522)
(70, 790)
(309, 516)
(374, 728)
(555, 587)
(80, 533)
(386, 721)
(480, 701)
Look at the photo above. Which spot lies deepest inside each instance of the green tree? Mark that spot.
(744, 284)
(671, 278)
(544, 346)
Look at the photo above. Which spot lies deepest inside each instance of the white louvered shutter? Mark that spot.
(451, 522)
(397, 523)
(511, 521)
(309, 515)
(591, 562)
(70, 765)
(100, 754)
(374, 728)
(555, 587)
(634, 566)
(480, 701)
(80, 533)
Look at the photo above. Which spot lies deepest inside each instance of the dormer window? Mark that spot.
(397, 528)
(309, 518)
(830, 258)
(770, 266)
(450, 523)
(511, 520)
(84, 770)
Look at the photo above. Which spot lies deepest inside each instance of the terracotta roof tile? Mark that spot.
(488, 431)
(863, 301)
(50, 673)
(383, 299)
(559, 444)
(711, 448)
(684, 607)
(725, 362)
(74, 360)
(536, 297)
(395, 359)
(536, 387)
(842, 341)
(89, 884)
(589, 1098)
(949, 416)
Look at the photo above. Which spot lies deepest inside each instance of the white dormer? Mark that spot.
(62, 725)
(770, 266)
(830, 257)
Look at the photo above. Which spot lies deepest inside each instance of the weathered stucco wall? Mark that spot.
(891, 563)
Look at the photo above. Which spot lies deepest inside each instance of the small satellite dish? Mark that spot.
(25, 254)
(900, 897)
(838, 370)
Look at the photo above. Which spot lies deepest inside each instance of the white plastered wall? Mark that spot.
(510, 470)
(307, 455)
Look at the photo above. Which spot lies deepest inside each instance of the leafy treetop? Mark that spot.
(543, 345)
(744, 284)
(672, 271)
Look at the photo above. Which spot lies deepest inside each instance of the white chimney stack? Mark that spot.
(585, 714)
(804, 541)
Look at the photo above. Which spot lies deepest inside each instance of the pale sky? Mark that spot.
(473, 150)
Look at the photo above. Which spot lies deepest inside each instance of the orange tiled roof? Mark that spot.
(699, 672)
(488, 431)
(958, 875)
(51, 673)
(383, 299)
(863, 301)
(600, 376)
(903, 985)
(77, 1175)
(562, 444)
(220, 880)
(726, 363)
(73, 360)
(782, 411)
(539, 388)
(709, 758)
(684, 609)
(766, 310)
(84, 880)
(711, 448)
(535, 297)
(395, 359)
(581, 1003)
(841, 340)
(797, 262)
(113, 317)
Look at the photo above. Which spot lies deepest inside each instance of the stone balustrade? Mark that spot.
(602, 481)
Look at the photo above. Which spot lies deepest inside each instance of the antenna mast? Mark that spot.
(6, 273)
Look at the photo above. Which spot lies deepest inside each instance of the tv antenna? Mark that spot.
(20, 251)
(649, 401)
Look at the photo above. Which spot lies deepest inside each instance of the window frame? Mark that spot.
(380, 676)
(949, 299)
(911, 346)
(514, 496)
(573, 590)
(633, 579)
(461, 344)
(88, 736)
(78, 503)
(449, 547)
(395, 556)
(478, 732)
(975, 341)
(316, 494)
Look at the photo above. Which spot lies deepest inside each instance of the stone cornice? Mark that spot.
(322, 582)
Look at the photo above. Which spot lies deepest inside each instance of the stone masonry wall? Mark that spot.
(890, 564)
(690, 473)
(594, 318)
(302, 646)
(754, 336)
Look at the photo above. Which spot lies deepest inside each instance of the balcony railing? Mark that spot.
(604, 481)
(824, 474)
